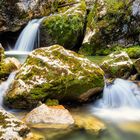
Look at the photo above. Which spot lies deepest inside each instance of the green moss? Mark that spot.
(65, 75)
(132, 51)
(52, 102)
(65, 28)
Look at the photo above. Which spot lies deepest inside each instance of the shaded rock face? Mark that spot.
(11, 128)
(16, 13)
(113, 22)
(117, 64)
(45, 115)
(1, 53)
(56, 73)
(137, 65)
(66, 27)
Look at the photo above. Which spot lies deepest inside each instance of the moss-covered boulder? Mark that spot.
(65, 28)
(8, 65)
(117, 64)
(112, 22)
(56, 73)
(137, 65)
(12, 128)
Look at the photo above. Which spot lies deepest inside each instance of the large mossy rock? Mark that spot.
(12, 128)
(112, 22)
(56, 73)
(117, 64)
(65, 28)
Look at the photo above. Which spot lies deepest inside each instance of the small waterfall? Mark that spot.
(29, 37)
(121, 100)
(5, 85)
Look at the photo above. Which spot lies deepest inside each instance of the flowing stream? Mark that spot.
(119, 106)
(120, 101)
(29, 37)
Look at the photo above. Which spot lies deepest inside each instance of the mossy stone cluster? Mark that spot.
(66, 27)
(132, 51)
(111, 22)
(53, 73)
(117, 65)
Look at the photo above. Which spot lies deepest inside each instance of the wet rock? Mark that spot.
(12, 128)
(89, 123)
(117, 64)
(55, 116)
(54, 73)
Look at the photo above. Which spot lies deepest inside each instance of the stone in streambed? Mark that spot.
(54, 73)
(50, 117)
(89, 123)
(117, 64)
(13, 129)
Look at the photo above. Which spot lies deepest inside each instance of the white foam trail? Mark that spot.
(120, 101)
(29, 37)
(5, 86)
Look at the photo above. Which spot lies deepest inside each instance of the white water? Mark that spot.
(29, 37)
(120, 101)
(5, 86)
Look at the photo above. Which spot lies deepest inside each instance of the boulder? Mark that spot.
(54, 73)
(50, 117)
(65, 28)
(137, 65)
(117, 65)
(12, 128)
(9, 65)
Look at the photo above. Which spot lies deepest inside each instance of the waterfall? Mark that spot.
(29, 37)
(120, 100)
(5, 86)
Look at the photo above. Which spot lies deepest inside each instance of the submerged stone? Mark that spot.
(89, 123)
(54, 73)
(117, 64)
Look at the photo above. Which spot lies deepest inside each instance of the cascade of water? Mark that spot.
(29, 37)
(120, 101)
(121, 93)
(5, 85)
